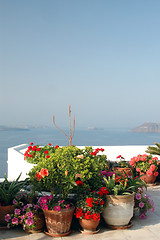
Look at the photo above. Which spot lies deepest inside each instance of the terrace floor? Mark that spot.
(148, 229)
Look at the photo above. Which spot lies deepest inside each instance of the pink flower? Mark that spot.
(143, 216)
(138, 196)
(152, 167)
(7, 217)
(22, 217)
(149, 173)
(14, 202)
(29, 214)
(141, 204)
(17, 211)
(150, 161)
(29, 221)
(138, 169)
(15, 221)
(57, 208)
(45, 207)
(68, 206)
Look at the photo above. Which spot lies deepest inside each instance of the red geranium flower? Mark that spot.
(46, 152)
(47, 156)
(34, 148)
(89, 202)
(49, 144)
(96, 216)
(87, 215)
(79, 213)
(31, 143)
(79, 183)
(56, 146)
(38, 149)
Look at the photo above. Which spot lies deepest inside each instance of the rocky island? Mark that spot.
(147, 127)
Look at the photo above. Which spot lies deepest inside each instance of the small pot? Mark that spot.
(147, 179)
(89, 225)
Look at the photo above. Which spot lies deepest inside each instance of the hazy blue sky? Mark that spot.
(100, 56)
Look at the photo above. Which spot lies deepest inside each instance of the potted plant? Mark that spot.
(28, 214)
(57, 173)
(58, 215)
(123, 166)
(143, 203)
(146, 166)
(120, 200)
(8, 193)
(89, 207)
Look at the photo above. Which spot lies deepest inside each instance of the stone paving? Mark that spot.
(148, 229)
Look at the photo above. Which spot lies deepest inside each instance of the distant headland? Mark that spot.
(147, 127)
(6, 128)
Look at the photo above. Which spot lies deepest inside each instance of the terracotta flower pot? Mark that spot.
(58, 222)
(127, 170)
(89, 225)
(147, 179)
(119, 209)
(4, 210)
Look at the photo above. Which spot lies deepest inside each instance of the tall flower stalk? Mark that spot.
(71, 134)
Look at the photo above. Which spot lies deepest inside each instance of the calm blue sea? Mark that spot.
(105, 137)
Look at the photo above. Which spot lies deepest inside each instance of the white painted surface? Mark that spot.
(17, 164)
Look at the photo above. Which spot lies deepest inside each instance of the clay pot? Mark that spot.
(58, 222)
(127, 170)
(147, 179)
(119, 209)
(89, 225)
(4, 210)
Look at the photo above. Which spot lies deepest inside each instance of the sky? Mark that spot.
(100, 56)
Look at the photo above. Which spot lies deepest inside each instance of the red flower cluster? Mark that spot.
(89, 202)
(41, 174)
(79, 183)
(120, 156)
(103, 191)
(87, 215)
(97, 150)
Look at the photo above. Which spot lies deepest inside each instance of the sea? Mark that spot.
(82, 137)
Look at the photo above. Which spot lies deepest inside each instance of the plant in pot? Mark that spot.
(123, 166)
(58, 173)
(120, 200)
(30, 215)
(143, 203)
(146, 166)
(8, 193)
(89, 206)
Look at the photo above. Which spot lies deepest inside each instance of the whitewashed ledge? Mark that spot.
(17, 165)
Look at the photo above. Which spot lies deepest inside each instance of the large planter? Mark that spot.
(147, 179)
(89, 226)
(4, 210)
(58, 222)
(119, 209)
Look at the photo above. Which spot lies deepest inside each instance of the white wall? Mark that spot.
(17, 164)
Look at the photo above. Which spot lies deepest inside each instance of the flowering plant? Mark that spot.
(121, 183)
(143, 203)
(145, 164)
(52, 203)
(35, 153)
(25, 215)
(90, 205)
(58, 173)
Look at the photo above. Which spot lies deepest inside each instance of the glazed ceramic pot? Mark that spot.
(119, 209)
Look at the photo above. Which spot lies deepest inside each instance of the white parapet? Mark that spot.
(17, 164)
